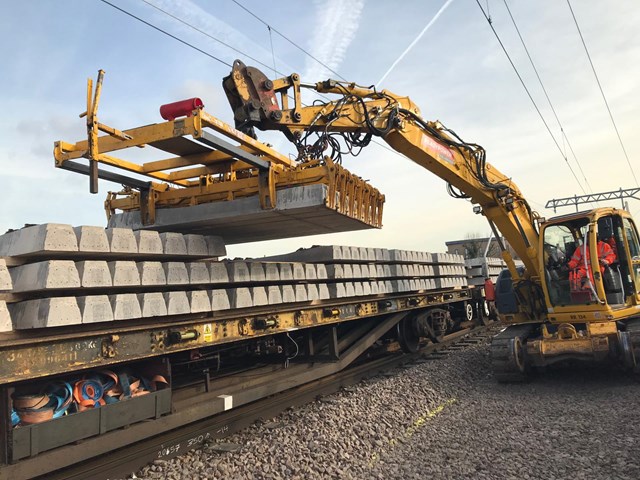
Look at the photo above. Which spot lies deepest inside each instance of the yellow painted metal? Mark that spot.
(568, 342)
(347, 194)
(589, 347)
(602, 328)
(362, 109)
(197, 174)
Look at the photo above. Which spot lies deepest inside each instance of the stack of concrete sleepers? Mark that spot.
(478, 269)
(379, 270)
(61, 275)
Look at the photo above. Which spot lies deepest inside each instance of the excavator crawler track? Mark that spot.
(508, 354)
(633, 331)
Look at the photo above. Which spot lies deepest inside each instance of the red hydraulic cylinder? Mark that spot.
(183, 108)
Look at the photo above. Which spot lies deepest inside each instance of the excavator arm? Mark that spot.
(361, 113)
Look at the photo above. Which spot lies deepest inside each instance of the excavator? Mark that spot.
(550, 312)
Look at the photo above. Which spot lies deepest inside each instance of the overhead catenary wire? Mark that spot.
(196, 29)
(593, 68)
(287, 39)
(562, 130)
(244, 54)
(535, 105)
(166, 33)
(273, 52)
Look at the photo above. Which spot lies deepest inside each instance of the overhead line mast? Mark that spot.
(595, 197)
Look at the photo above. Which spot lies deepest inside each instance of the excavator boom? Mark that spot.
(360, 113)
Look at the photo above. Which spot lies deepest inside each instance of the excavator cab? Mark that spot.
(591, 260)
(592, 295)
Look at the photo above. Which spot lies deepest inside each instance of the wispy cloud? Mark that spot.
(336, 27)
(191, 13)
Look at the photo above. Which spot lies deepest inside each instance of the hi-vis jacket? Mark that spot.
(606, 256)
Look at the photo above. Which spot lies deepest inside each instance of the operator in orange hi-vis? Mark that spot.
(606, 257)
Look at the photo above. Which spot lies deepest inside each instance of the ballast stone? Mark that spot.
(46, 312)
(47, 275)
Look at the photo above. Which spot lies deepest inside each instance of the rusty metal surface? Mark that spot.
(36, 354)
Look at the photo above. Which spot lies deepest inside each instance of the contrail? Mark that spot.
(424, 30)
(336, 25)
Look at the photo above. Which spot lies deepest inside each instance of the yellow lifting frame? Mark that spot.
(208, 169)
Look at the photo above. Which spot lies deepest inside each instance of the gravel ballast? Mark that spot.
(441, 418)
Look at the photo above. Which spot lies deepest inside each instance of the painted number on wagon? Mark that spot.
(166, 451)
(198, 440)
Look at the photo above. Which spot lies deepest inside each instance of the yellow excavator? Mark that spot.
(551, 312)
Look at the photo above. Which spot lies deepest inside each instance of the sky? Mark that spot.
(455, 71)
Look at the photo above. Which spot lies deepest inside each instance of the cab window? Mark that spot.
(632, 238)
